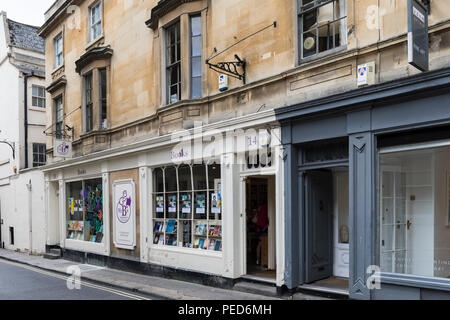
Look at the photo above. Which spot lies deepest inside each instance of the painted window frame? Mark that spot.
(92, 24)
(40, 100)
(176, 64)
(39, 150)
(397, 278)
(59, 116)
(88, 92)
(103, 97)
(315, 5)
(192, 218)
(192, 57)
(58, 50)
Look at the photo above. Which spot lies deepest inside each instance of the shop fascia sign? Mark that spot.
(62, 149)
(418, 51)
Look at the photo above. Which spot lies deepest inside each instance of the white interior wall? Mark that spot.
(420, 212)
(441, 224)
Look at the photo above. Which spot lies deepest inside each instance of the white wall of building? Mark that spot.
(19, 207)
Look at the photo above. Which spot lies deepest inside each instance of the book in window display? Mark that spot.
(159, 204)
(172, 204)
(201, 243)
(216, 203)
(196, 243)
(171, 226)
(186, 203)
(218, 245)
(200, 203)
(159, 226)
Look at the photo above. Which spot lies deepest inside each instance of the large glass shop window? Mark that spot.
(188, 206)
(85, 210)
(414, 212)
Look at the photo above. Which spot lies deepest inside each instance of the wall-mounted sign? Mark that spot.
(417, 35)
(62, 149)
(124, 214)
(223, 82)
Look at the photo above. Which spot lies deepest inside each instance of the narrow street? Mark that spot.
(20, 282)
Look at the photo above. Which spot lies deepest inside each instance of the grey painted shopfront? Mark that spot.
(389, 207)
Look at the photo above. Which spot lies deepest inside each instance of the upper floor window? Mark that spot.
(196, 56)
(89, 102)
(39, 157)
(173, 50)
(95, 100)
(103, 98)
(95, 21)
(323, 26)
(59, 117)
(58, 45)
(38, 97)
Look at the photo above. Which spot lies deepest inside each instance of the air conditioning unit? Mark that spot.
(366, 74)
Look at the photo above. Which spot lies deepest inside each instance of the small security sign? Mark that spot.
(418, 35)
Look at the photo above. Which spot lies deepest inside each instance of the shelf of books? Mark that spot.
(208, 235)
(165, 232)
(75, 230)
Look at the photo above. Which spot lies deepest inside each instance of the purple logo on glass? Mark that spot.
(123, 209)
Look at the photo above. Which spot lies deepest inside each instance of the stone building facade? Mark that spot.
(134, 87)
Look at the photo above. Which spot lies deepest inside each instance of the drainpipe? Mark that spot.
(25, 108)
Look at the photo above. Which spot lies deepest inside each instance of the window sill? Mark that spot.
(324, 54)
(39, 109)
(199, 252)
(94, 43)
(410, 280)
(57, 69)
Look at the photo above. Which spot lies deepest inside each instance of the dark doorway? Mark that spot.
(259, 217)
(11, 236)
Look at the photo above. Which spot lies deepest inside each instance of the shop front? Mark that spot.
(367, 191)
(168, 206)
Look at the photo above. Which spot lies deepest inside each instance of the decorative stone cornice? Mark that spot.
(59, 83)
(98, 53)
(162, 8)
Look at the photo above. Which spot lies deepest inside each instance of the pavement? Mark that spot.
(159, 288)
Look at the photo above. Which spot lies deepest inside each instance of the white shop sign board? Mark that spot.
(124, 214)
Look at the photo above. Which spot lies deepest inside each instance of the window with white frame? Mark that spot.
(38, 96)
(322, 26)
(187, 206)
(58, 45)
(95, 21)
(39, 157)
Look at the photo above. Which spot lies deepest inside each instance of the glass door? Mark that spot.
(394, 221)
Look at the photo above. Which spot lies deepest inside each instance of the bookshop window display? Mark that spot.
(85, 210)
(188, 206)
(414, 212)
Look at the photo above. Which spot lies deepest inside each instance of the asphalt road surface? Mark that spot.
(21, 282)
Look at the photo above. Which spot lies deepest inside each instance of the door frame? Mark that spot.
(272, 246)
(301, 170)
(344, 248)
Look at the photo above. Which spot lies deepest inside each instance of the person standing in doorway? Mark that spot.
(261, 220)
